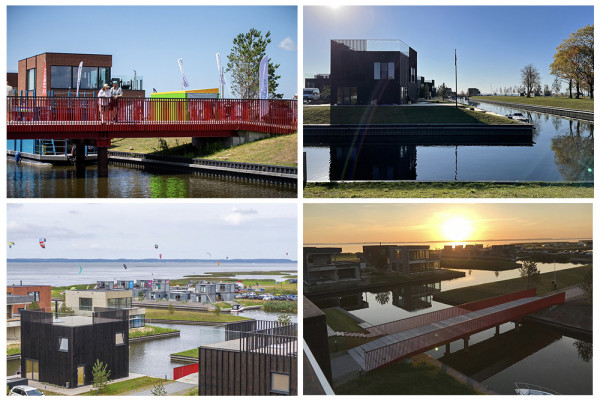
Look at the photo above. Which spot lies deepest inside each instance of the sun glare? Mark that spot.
(457, 229)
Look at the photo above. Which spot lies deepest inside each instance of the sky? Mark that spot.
(360, 223)
(117, 230)
(493, 43)
(150, 39)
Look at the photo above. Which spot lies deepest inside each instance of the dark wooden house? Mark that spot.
(258, 358)
(63, 351)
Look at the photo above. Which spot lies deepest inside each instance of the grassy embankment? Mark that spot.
(120, 388)
(341, 322)
(149, 330)
(399, 115)
(564, 278)
(191, 316)
(405, 379)
(12, 349)
(448, 190)
(279, 150)
(584, 104)
(486, 265)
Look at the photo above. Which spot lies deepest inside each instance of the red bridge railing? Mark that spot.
(180, 372)
(51, 114)
(380, 356)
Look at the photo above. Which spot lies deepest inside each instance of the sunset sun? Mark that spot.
(457, 229)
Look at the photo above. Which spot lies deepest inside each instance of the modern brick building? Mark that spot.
(41, 294)
(373, 72)
(60, 73)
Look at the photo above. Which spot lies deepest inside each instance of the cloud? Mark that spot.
(237, 215)
(287, 44)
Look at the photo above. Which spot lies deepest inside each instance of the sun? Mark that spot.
(457, 229)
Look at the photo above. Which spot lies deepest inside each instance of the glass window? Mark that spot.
(85, 303)
(391, 70)
(377, 71)
(63, 344)
(353, 95)
(119, 339)
(60, 77)
(103, 76)
(384, 70)
(36, 296)
(89, 78)
(413, 74)
(30, 79)
(280, 383)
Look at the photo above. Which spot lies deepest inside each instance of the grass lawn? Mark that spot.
(55, 290)
(564, 278)
(344, 343)
(585, 104)
(404, 379)
(447, 190)
(351, 257)
(188, 353)
(281, 306)
(191, 316)
(466, 263)
(149, 330)
(399, 115)
(341, 322)
(13, 349)
(278, 150)
(131, 385)
(223, 305)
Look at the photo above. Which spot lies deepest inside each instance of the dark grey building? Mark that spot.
(320, 266)
(404, 259)
(373, 72)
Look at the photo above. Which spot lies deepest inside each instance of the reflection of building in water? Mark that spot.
(347, 301)
(415, 297)
(405, 259)
(373, 162)
(464, 250)
(320, 266)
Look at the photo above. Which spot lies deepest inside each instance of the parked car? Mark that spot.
(23, 390)
(310, 94)
(293, 281)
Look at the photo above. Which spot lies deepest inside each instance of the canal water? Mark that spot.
(153, 357)
(534, 354)
(29, 180)
(563, 150)
(67, 273)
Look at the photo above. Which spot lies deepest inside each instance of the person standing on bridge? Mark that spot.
(103, 100)
(115, 93)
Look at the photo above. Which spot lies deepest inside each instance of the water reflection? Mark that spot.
(562, 150)
(584, 350)
(27, 180)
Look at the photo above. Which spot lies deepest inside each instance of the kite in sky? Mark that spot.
(43, 243)
(124, 266)
(11, 244)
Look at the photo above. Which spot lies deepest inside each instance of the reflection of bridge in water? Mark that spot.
(415, 335)
(489, 357)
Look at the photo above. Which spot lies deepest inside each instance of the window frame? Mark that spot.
(91, 306)
(60, 342)
(122, 339)
(289, 382)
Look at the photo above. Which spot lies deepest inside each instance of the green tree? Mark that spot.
(100, 376)
(244, 61)
(217, 309)
(284, 319)
(33, 306)
(443, 92)
(64, 310)
(587, 285)
(159, 389)
(573, 60)
(171, 309)
(530, 273)
(530, 78)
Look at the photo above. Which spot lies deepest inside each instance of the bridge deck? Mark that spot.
(416, 340)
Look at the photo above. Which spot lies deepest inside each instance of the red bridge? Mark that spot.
(79, 119)
(411, 336)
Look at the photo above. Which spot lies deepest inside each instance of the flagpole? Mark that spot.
(455, 80)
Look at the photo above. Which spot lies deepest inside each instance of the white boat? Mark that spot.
(518, 117)
(237, 308)
(528, 389)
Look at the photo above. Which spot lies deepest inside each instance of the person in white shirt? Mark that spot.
(115, 93)
(103, 101)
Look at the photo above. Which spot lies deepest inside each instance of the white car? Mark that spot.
(22, 390)
(310, 94)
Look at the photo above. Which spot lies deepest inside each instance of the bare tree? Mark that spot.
(530, 78)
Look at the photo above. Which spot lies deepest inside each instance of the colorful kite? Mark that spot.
(11, 244)
(43, 243)
(156, 246)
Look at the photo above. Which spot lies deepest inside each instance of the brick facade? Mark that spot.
(45, 301)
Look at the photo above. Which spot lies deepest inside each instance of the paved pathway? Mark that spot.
(78, 390)
(171, 388)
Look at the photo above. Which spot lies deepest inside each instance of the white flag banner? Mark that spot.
(221, 77)
(183, 80)
(263, 78)
(79, 76)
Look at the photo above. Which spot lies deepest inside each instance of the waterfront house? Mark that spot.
(373, 72)
(41, 294)
(158, 289)
(63, 351)
(405, 259)
(320, 266)
(13, 320)
(210, 292)
(85, 302)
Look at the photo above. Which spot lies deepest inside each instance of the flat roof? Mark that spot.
(375, 45)
(75, 54)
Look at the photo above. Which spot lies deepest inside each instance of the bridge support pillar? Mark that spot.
(497, 329)
(80, 160)
(102, 162)
(447, 351)
(517, 325)
(466, 343)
